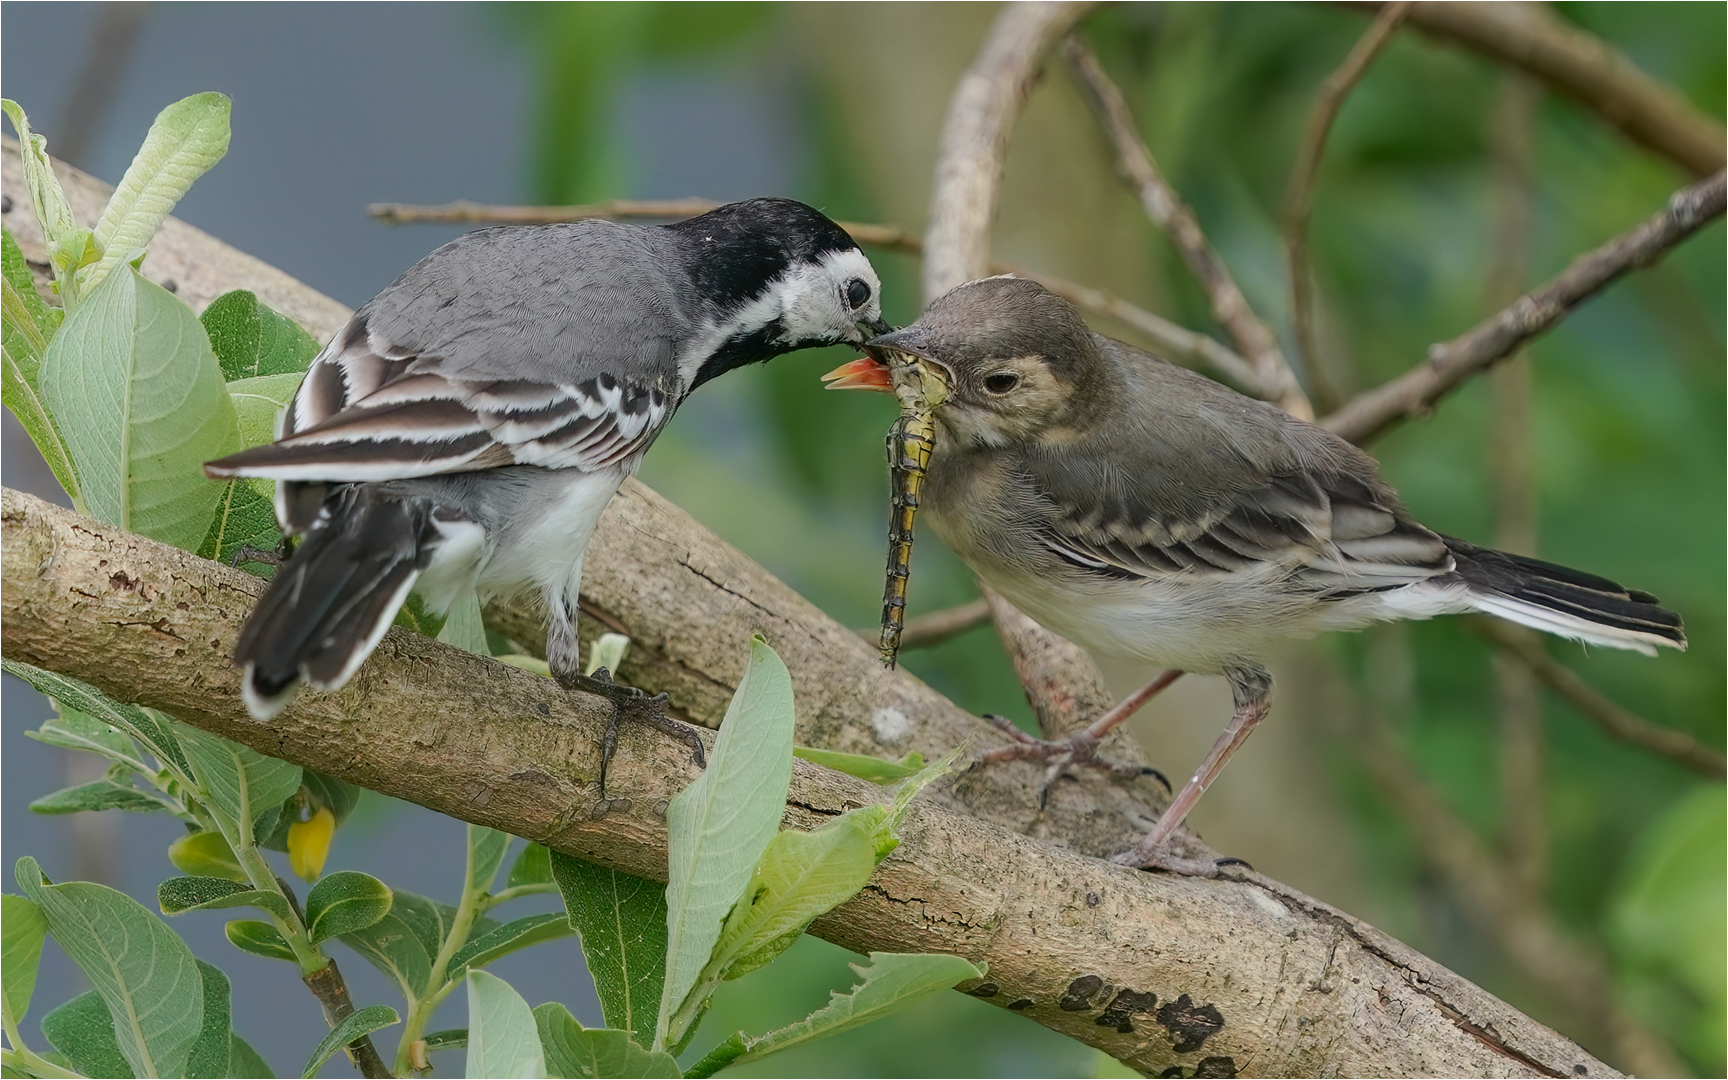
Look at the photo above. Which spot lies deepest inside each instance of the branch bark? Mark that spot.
(1579, 65)
(1243, 975)
(1414, 393)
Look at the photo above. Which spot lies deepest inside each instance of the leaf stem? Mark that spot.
(22, 1057)
(474, 901)
(492, 900)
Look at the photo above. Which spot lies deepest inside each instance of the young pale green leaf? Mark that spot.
(486, 851)
(891, 982)
(532, 867)
(146, 975)
(82, 1032)
(212, 1053)
(243, 1061)
(73, 730)
(104, 794)
(345, 902)
(237, 780)
(178, 895)
(206, 854)
(27, 324)
(524, 661)
(720, 825)
(622, 920)
(135, 390)
(864, 767)
(608, 651)
(252, 341)
(156, 735)
(359, 1023)
(463, 626)
(503, 1039)
(53, 211)
(187, 138)
(506, 939)
(259, 401)
(259, 939)
(22, 928)
(574, 1051)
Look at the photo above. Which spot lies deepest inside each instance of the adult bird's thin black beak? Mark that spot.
(876, 327)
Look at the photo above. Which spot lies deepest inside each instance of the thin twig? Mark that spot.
(1615, 719)
(1173, 342)
(1299, 202)
(1414, 393)
(938, 626)
(1577, 64)
(113, 41)
(1523, 794)
(1167, 210)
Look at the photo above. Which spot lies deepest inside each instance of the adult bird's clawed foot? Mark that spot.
(1078, 749)
(1164, 856)
(634, 704)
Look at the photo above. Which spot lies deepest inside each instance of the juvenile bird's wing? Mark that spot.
(1196, 480)
(553, 346)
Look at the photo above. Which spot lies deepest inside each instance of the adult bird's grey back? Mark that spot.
(470, 423)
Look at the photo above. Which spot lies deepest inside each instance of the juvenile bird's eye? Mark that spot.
(857, 293)
(1001, 382)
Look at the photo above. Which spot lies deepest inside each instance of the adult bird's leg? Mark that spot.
(564, 658)
(1080, 748)
(1252, 690)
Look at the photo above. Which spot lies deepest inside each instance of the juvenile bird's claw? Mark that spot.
(1080, 748)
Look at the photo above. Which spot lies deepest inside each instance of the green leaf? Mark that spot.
(27, 324)
(486, 851)
(720, 825)
(506, 939)
(132, 383)
(608, 651)
(155, 734)
(463, 626)
(891, 982)
(875, 770)
(187, 138)
(82, 1030)
(356, 1025)
(239, 781)
(259, 939)
(345, 902)
(416, 616)
(75, 731)
(245, 516)
(622, 920)
(532, 867)
(404, 943)
(22, 928)
(212, 1052)
(102, 794)
(206, 854)
(179, 895)
(574, 1051)
(144, 972)
(252, 341)
(259, 401)
(243, 1061)
(503, 1039)
(52, 210)
(448, 1039)
(718, 1058)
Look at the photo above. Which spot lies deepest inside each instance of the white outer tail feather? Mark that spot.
(1563, 625)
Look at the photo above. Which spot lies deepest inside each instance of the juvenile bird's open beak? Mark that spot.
(864, 373)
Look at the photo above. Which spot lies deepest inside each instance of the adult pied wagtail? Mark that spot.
(470, 423)
(1145, 511)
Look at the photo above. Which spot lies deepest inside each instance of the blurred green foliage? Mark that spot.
(1628, 421)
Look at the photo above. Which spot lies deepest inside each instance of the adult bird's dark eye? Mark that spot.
(857, 293)
(1001, 382)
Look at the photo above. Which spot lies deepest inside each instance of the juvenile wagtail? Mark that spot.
(470, 423)
(1145, 511)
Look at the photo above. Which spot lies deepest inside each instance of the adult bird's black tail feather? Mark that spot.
(1563, 601)
(330, 603)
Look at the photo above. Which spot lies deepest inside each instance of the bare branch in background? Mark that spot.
(112, 41)
(1511, 233)
(1615, 719)
(938, 626)
(1174, 218)
(1414, 393)
(1299, 200)
(1579, 65)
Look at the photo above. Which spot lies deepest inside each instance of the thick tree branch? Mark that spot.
(1449, 363)
(1577, 64)
(1176, 220)
(1299, 199)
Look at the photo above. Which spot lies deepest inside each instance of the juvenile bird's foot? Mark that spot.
(1078, 749)
(628, 701)
(1165, 857)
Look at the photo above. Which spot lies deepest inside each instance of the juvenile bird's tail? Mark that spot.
(330, 603)
(1565, 602)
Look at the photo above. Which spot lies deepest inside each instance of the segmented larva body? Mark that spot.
(920, 387)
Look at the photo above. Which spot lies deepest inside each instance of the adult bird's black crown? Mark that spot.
(469, 424)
